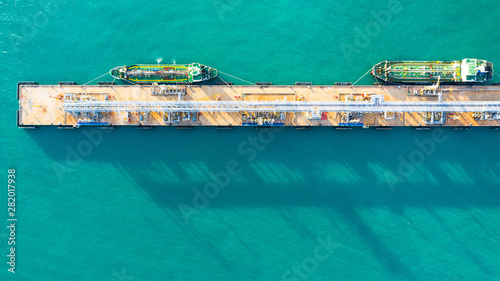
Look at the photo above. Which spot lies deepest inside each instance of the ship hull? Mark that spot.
(467, 71)
(165, 73)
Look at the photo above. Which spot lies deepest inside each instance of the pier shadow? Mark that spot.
(383, 254)
(297, 167)
(334, 171)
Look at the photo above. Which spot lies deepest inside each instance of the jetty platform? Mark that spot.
(257, 105)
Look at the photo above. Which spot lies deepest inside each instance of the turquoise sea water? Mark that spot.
(386, 207)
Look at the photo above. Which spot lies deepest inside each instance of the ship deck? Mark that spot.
(117, 105)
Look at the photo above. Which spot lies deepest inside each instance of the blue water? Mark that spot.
(317, 204)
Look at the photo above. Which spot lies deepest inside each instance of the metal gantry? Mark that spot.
(376, 105)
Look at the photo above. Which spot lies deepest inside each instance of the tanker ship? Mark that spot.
(165, 73)
(466, 71)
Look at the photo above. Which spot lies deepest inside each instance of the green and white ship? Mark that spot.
(466, 71)
(165, 73)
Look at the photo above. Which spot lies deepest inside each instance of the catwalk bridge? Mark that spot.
(378, 105)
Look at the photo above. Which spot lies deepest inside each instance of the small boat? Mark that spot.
(466, 71)
(165, 73)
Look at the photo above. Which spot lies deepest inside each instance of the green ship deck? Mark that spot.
(425, 72)
(165, 73)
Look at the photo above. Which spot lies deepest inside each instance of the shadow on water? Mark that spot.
(335, 171)
(378, 248)
(296, 168)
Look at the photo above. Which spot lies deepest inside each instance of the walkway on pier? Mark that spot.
(219, 105)
(377, 105)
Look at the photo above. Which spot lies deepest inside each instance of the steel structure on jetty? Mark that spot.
(68, 105)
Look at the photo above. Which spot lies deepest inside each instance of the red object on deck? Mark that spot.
(324, 116)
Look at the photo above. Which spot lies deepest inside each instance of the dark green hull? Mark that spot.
(467, 71)
(165, 73)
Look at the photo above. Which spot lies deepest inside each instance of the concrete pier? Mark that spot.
(221, 105)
